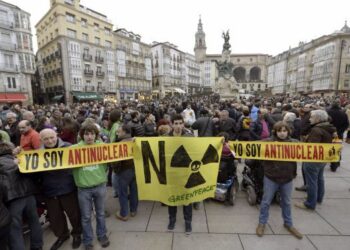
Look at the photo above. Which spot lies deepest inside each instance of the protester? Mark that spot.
(30, 139)
(11, 128)
(278, 176)
(321, 132)
(127, 188)
(178, 130)
(91, 182)
(19, 192)
(61, 196)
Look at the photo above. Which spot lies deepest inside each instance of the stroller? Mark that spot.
(227, 182)
(253, 182)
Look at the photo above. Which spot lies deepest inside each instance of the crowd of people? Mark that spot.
(80, 193)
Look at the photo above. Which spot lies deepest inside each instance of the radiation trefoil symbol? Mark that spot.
(181, 159)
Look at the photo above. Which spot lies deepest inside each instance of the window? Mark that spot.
(346, 84)
(69, 2)
(347, 68)
(97, 40)
(84, 22)
(11, 82)
(86, 51)
(96, 26)
(71, 33)
(70, 17)
(107, 31)
(85, 37)
(108, 44)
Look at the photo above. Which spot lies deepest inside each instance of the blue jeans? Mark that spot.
(315, 183)
(25, 206)
(87, 197)
(115, 183)
(127, 182)
(270, 188)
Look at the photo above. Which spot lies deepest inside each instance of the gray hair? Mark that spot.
(11, 114)
(320, 115)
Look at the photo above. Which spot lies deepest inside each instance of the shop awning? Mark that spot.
(57, 98)
(12, 97)
(179, 91)
(87, 96)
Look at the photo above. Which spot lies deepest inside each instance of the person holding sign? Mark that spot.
(61, 195)
(278, 175)
(178, 130)
(91, 182)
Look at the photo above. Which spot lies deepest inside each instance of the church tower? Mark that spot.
(200, 49)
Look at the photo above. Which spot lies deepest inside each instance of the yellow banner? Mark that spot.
(73, 157)
(287, 151)
(177, 170)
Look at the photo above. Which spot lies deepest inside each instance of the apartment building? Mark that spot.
(319, 67)
(17, 60)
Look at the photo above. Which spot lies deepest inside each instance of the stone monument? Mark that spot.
(226, 84)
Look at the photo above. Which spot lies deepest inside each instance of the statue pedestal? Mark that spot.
(227, 88)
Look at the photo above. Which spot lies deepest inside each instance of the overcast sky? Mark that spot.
(256, 26)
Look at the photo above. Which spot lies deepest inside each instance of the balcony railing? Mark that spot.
(6, 23)
(100, 74)
(99, 59)
(9, 67)
(88, 72)
(87, 57)
(8, 45)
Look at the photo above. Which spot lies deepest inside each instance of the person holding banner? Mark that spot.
(126, 180)
(61, 196)
(278, 175)
(19, 197)
(91, 182)
(321, 132)
(178, 130)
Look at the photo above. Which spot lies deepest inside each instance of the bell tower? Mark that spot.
(200, 49)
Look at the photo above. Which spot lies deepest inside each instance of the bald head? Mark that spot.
(48, 137)
(24, 126)
(28, 115)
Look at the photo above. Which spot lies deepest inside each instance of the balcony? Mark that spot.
(88, 72)
(99, 59)
(100, 74)
(9, 67)
(87, 57)
(6, 24)
(89, 88)
(59, 71)
(8, 45)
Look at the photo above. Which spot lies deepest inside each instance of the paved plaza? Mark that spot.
(216, 226)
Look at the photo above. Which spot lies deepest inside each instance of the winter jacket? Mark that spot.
(58, 182)
(15, 184)
(339, 120)
(280, 171)
(14, 133)
(255, 130)
(30, 140)
(228, 126)
(136, 128)
(5, 217)
(120, 166)
(204, 125)
(321, 133)
(149, 129)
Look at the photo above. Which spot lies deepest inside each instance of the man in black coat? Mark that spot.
(341, 122)
(61, 196)
(19, 197)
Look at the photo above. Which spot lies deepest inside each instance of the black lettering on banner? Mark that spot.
(238, 149)
(53, 159)
(147, 157)
(47, 161)
(32, 161)
(247, 150)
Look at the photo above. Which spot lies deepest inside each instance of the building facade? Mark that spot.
(17, 60)
(250, 70)
(320, 67)
(134, 66)
(169, 70)
(192, 74)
